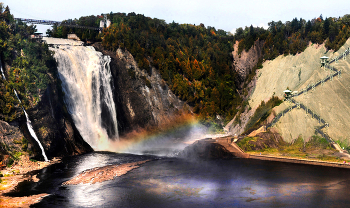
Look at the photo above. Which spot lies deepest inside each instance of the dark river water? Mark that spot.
(175, 182)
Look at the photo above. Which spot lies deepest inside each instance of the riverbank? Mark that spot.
(311, 153)
(19, 172)
(299, 161)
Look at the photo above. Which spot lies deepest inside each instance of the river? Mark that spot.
(176, 182)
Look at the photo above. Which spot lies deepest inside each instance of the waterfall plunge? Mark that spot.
(86, 82)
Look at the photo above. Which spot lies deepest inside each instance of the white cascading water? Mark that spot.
(86, 83)
(32, 132)
(29, 123)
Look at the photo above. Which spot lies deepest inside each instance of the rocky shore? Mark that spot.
(21, 171)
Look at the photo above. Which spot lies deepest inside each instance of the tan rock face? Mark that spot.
(330, 101)
(244, 62)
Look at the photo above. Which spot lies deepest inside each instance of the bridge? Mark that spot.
(50, 22)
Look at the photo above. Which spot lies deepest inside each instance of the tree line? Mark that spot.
(294, 36)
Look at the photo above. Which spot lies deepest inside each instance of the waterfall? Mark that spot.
(29, 123)
(32, 132)
(87, 86)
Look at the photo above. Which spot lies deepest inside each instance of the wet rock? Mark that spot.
(142, 97)
(54, 126)
(206, 149)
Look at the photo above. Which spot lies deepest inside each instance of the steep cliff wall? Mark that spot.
(329, 100)
(143, 99)
(54, 126)
(244, 62)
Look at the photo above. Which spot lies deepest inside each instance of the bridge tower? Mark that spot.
(105, 22)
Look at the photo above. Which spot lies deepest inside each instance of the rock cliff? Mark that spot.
(143, 99)
(244, 62)
(327, 101)
(52, 124)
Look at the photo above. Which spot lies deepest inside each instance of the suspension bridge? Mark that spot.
(58, 23)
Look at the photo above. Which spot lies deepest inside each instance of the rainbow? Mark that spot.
(140, 136)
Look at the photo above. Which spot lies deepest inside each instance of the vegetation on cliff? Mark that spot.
(28, 64)
(195, 61)
(293, 37)
(261, 113)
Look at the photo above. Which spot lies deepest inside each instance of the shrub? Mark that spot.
(245, 143)
(24, 144)
(148, 83)
(10, 162)
(262, 112)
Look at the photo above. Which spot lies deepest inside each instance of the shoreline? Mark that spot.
(21, 171)
(18, 173)
(299, 161)
(240, 153)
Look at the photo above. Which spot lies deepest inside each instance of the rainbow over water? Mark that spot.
(172, 136)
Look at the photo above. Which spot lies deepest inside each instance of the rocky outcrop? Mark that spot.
(54, 126)
(51, 123)
(11, 140)
(100, 174)
(267, 139)
(143, 99)
(206, 149)
(237, 125)
(244, 62)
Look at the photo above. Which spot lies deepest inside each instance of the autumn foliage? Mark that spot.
(195, 61)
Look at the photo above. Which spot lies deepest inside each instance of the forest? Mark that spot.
(26, 64)
(294, 36)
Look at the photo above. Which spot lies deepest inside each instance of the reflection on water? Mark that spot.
(173, 182)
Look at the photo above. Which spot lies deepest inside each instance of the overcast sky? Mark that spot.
(221, 14)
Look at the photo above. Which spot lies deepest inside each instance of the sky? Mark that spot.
(221, 14)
